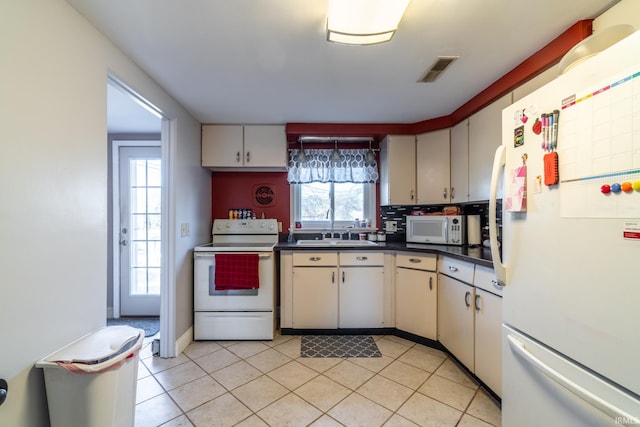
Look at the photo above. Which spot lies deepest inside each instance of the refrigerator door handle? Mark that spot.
(499, 162)
(584, 394)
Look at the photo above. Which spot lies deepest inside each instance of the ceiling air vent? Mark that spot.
(438, 67)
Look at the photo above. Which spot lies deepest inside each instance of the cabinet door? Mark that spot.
(222, 145)
(485, 135)
(361, 297)
(265, 146)
(398, 170)
(460, 162)
(488, 344)
(456, 318)
(315, 297)
(417, 302)
(433, 167)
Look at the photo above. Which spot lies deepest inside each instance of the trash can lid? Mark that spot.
(98, 346)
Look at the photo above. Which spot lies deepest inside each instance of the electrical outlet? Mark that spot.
(279, 227)
(390, 226)
(185, 230)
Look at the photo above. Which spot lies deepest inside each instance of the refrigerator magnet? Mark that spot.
(518, 136)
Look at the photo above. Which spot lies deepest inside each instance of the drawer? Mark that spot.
(361, 258)
(457, 269)
(418, 262)
(485, 278)
(314, 259)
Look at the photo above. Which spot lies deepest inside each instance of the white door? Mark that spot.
(140, 225)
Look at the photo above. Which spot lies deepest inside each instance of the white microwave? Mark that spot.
(437, 229)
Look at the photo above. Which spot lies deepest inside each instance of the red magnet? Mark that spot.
(605, 189)
(626, 187)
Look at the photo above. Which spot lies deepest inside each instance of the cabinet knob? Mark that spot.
(248, 156)
(453, 193)
(444, 193)
(238, 157)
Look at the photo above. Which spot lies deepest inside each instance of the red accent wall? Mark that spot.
(231, 190)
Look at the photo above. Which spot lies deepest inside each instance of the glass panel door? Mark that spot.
(140, 237)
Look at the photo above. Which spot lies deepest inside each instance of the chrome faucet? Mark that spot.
(330, 211)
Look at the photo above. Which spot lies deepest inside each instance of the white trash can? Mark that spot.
(92, 381)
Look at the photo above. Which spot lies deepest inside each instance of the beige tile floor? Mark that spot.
(267, 383)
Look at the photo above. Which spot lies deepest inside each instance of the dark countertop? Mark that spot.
(477, 255)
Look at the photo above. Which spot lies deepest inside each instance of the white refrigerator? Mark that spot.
(570, 259)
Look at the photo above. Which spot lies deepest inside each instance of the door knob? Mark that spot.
(4, 389)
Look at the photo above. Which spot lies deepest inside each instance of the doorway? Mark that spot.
(139, 141)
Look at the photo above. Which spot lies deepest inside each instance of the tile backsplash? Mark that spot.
(398, 214)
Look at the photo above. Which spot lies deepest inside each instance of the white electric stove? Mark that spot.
(236, 314)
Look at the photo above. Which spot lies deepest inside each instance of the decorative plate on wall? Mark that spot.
(264, 195)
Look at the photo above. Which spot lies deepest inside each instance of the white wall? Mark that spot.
(53, 190)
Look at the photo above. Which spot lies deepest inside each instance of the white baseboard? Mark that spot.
(184, 340)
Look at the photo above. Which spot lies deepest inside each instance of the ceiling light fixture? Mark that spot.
(363, 22)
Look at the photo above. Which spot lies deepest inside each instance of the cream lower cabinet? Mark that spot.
(361, 294)
(470, 318)
(315, 290)
(331, 290)
(488, 339)
(416, 295)
(456, 319)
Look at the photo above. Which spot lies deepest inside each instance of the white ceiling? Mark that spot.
(267, 61)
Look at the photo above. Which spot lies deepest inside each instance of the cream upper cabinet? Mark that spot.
(398, 170)
(460, 162)
(227, 147)
(432, 167)
(485, 135)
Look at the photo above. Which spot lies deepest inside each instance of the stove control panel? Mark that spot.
(245, 226)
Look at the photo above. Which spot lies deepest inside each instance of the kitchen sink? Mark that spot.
(333, 242)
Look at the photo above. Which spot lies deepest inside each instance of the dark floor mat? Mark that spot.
(150, 325)
(338, 346)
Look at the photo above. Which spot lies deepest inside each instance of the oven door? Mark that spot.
(206, 299)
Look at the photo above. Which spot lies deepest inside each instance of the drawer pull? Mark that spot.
(430, 283)
(452, 268)
(477, 302)
(315, 258)
(467, 296)
(415, 260)
(362, 258)
(497, 284)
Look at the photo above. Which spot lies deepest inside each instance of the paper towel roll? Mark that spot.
(473, 230)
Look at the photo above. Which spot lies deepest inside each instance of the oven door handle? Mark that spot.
(212, 254)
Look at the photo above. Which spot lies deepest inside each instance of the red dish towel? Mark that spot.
(236, 271)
